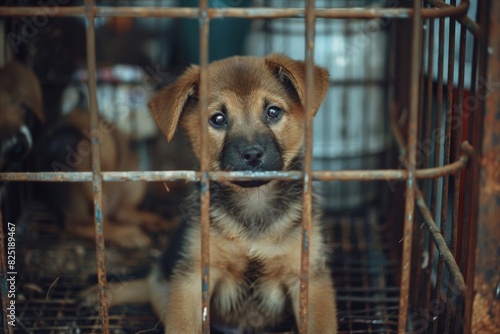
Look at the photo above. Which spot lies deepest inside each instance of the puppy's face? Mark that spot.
(255, 112)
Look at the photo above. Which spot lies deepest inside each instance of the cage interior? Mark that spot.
(369, 62)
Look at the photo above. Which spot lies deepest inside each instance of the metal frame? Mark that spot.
(409, 150)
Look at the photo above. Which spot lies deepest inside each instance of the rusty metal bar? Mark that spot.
(459, 205)
(447, 149)
(475, 125)
(3, 273)
(464, 20)
(398, 136)
(96, 165)
(434, 231)
(485, 271)
(459, 184)
(43, 11)
(444, 251)
(429, 183)
(438, 141)
(193, 176)
(338, 13)
(419, 246)
(428, 186)
(204, 22)
(250, 13)
(474, 107)
(48, 177)
(308, 160)
(412, 163)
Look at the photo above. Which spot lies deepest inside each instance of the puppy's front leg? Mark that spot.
(184, 305)
(322, 312)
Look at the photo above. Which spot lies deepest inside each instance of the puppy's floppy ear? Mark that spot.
(21, 82)
(293, 72)
(167, 105)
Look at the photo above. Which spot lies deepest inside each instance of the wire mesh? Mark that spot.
(58, 266)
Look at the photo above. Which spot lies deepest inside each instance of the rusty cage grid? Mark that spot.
(455, 262)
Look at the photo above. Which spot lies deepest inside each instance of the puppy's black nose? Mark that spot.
(253, 155)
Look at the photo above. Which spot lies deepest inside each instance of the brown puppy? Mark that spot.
(256, 123)
(20, 98)
(123, 221)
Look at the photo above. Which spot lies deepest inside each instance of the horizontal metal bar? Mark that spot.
(193, 176)
(250, 13)
(48, 176)
(444, 251)
(43, 11)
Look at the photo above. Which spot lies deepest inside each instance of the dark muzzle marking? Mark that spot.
(259, 154)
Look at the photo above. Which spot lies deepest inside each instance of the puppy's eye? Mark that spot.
(274, 113)
(218, 120)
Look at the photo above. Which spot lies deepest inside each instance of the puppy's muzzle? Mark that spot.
(15, 145)
(262, 154)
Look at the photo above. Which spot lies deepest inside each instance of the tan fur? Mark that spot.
(18, 84)
(123, 222)
(273, 245)
(19, 89)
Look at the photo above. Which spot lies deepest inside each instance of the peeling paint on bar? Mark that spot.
(96, 165)
(305, 238)
(98, 216)
(194, 176)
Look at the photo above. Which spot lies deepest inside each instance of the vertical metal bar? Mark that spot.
(307, 196)
(460, 135)
(485, 271)
(204, 166)
(459, 181)
(429, 183)
(421, 124)
(459, 204)
(367, 277)
(412, 157)
(345, 232)
(473, 110)
(96, 164)
(437, 147)
(3, 268)
(419, 247)
(447, 149)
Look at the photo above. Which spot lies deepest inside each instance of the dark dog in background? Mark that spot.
(67, 147)
(256, 123)
(21, 104)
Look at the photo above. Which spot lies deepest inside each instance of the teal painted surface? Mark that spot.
(226, 37)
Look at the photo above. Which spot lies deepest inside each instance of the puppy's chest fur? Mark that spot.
(253, 280)
(255, 243)
(271, 209)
